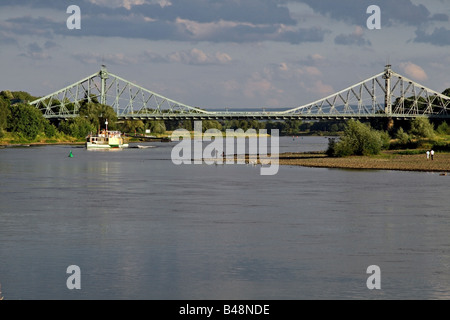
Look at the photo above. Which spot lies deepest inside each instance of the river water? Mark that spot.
(140, 227)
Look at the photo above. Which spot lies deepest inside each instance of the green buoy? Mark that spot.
(70, 154)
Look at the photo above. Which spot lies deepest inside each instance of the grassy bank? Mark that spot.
(11, 138)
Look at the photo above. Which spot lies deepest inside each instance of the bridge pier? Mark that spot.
(103, 77)
(387, 96)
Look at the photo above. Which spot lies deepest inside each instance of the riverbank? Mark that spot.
(387, 160)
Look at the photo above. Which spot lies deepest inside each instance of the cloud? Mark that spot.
(318, 88)
(257, 87)
(235, 21)
(414, 71)
(248, 11)
(110, 59)
(354, 11)
(203, 11)
(191, 57)
(6, 39)
(439, 37)
(29, 26)
(198, 57)
(34, 51)
(355, 38)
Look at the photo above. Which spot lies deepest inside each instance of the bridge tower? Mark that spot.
(387, 98)
(103, 77)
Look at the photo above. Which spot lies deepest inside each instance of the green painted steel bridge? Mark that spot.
(385, 95)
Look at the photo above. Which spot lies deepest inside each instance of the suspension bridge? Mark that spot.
(385, 95)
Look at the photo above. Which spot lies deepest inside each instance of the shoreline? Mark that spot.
(387, 160)
(36, 144)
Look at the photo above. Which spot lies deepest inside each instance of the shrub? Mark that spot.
(402, 136)
(26, 120)
(78, 127)
(422, 128)
(49, 130)
(443, 128)
(358, 139)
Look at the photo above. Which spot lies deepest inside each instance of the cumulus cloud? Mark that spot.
(318, 88)
(197, 20)
(414, 71)
(193, 57)
(355, 38)
(354, 11)
(198, 57)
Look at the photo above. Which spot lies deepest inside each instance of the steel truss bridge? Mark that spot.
(385, 95)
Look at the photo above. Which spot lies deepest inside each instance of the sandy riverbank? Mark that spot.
(388, 160)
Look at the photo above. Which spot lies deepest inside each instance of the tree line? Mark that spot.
(27, 122)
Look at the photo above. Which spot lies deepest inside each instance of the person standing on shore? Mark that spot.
(432, 154)
(428, 154)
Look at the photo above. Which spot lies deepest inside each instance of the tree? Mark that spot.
(443, 128)
(422, 128)
(49, 129)
(7, 95)
(157, 126)
(446, 92)
(211, 124)
(97, 114)
(358, 139)
(402, 136)
(26, 120)
(130, 126)
(78, 127)
(4, 113)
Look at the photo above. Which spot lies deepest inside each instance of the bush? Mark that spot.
(443, 128)
(441, 146)
(157, 127)
(26, 120)
(4, 113)
(49, 130)
(385, 140)
(358, 139)
(78, 127)
(402, 136)
(422, 128)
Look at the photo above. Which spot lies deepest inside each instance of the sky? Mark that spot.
(217, 54)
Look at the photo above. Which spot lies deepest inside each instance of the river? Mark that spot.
(140, 227)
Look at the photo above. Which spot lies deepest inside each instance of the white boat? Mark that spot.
(106, 140)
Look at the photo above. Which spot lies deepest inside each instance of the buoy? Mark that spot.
(70, 154)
